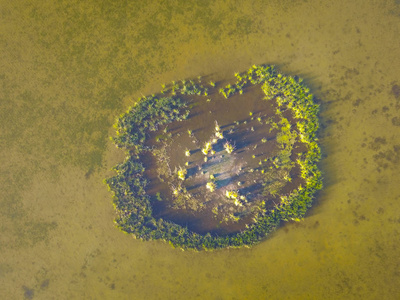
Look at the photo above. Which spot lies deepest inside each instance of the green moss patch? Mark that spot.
(212, 166)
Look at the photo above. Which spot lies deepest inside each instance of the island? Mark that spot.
(216, 164)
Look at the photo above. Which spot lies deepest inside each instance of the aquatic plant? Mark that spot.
(219, 135)
(182, 173)
(229, 147)
(217, 128)
(211, 186)
(206, 148)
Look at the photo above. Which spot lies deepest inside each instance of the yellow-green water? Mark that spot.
(67, 68)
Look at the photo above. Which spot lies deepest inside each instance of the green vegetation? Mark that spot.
(294, 123)
(147, 115)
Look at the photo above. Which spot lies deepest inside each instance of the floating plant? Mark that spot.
(223, 173)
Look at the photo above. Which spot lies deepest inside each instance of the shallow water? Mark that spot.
(68, 69)
(244, 120)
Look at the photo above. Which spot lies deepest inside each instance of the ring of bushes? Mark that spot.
(132, 203)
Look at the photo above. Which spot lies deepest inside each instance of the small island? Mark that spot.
(212, 165)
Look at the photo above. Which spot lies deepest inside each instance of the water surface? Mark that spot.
(68, 68)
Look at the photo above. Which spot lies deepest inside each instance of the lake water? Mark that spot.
(68, 68)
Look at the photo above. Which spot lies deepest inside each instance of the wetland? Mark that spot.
(70, 68)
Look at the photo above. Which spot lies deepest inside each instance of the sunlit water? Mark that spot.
(68, 69)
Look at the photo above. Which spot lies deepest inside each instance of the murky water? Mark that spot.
(68, 68)
(244, 120)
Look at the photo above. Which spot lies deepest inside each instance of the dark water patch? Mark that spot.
(377, 143)
(28, 292)
(44, 284)
(35, 232)
(388, 158)
(316, 225)
(357, 102)
(395, 91)
(396, 121)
